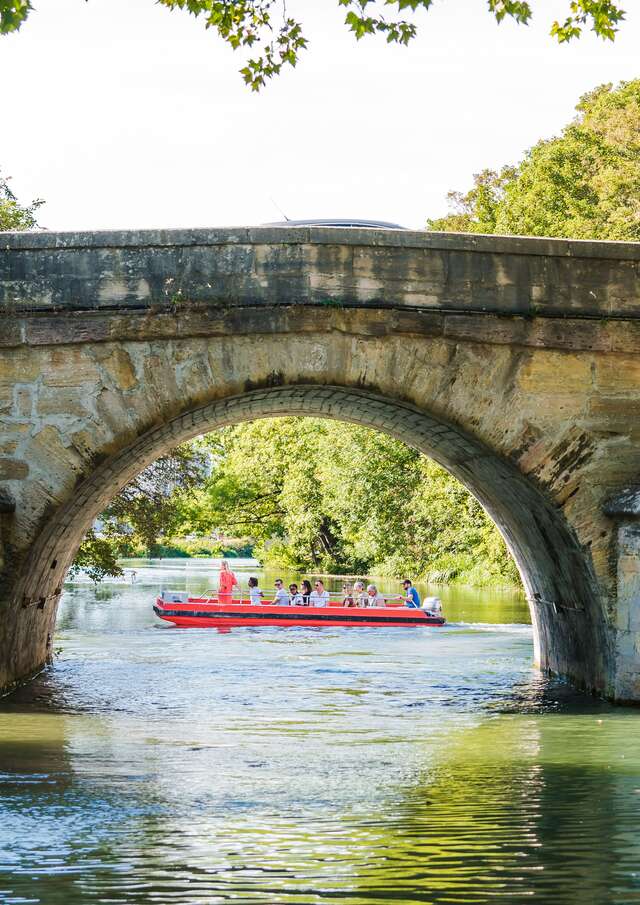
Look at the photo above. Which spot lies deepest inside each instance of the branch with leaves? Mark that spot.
(280, 38)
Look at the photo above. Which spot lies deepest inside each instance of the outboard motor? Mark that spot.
(175, 596)
(432, 604)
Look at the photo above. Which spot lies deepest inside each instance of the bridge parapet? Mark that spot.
(276, 266)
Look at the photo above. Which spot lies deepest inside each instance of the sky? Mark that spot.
(122, 114)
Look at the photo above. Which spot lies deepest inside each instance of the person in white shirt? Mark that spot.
(255, 594)
(282, 595)
(295, 597)
(319, 597)
(374, 597)
(359, 594)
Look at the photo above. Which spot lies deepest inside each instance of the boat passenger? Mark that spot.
(359, 593)
(411, 596)
(295, 597)
(226, 582)
(306, 592)
(348, 598)
(319, 597)
(374, 597)
(255, 594)
(282, 595)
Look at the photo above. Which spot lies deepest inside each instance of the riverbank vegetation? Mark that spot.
(309, 494)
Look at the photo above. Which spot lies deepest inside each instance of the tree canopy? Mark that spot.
(279, 38)
(584, 184)
(313, 495)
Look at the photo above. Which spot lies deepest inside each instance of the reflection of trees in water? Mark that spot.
(539, 807)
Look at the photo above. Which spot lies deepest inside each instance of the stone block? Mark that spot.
(69, 401)
(117, 362)
(555, 373)
(617, 374)
(23, 401)
(13, 470)
(67, 328)
(69, 367)
(614, 413)
(19, 366)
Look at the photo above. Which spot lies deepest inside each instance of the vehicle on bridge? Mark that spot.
(206, 612)
(347, 223)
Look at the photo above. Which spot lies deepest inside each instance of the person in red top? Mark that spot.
(226, 582)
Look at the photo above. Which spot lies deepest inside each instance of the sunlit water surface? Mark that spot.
(343, 765)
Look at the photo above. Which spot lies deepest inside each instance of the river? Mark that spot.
(351, 766)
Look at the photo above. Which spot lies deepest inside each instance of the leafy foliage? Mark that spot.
(13, 215)
(336, 497)
(585, 184)
(145, 512)
(280, 38)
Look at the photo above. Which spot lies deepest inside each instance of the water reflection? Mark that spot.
(305, 766)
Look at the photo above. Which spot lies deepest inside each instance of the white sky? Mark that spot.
(122, 114)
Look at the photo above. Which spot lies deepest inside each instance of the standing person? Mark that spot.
(282, 595)
(411, 596)
(319, 597)
(226, 582)
(306, 592)
(295, 597)
(374, 597)
(255, 594)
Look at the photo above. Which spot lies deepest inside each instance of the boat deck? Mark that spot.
(202, 612)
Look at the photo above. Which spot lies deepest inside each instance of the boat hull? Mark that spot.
(199, 613)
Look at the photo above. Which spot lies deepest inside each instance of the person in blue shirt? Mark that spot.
(411, 596)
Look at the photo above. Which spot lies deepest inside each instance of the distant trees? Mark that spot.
(279, 38)
(312, 495)
(584, 184)
(323, 495)
(13, 215)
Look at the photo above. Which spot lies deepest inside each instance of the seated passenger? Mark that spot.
(411, 596)
(306, 592)
(255, 594)
(282, 595)
(374, 597)
(359, 594)
(295, 597)
(348, 599)
(319, 597)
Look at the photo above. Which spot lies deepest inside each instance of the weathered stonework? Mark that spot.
(513, 362)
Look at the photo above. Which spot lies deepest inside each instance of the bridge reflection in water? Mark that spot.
(310, 766)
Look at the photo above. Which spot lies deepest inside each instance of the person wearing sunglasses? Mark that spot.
(295, 597)
(319, 597)
(282, 595)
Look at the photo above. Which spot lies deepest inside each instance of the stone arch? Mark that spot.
(560, 585)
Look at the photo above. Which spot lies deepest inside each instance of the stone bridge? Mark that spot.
(513, 362)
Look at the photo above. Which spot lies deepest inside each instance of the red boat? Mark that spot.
(207, 612)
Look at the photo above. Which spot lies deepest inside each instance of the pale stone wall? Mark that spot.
(512, 362)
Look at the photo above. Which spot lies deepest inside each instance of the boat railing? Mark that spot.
(335, 599)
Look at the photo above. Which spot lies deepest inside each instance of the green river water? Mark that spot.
(150, 764)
